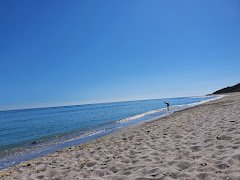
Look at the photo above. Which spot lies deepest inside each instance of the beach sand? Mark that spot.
(202, 142)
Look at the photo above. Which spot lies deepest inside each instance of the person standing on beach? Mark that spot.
(168, 105)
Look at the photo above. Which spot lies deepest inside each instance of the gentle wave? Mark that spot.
(172, 109)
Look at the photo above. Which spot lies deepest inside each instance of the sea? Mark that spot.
(30, 133)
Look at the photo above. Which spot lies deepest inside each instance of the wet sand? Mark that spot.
(202, 142)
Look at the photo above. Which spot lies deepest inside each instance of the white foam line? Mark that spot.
(190, 105)
(173, 109)
(208, 100)
(88, 134)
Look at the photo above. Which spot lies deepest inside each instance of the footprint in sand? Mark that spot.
(236, 157)
(195, 148)
(224, 137)
(222, 166)
(202, 176)
(183, 165)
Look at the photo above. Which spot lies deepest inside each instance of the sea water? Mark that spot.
(30, 133)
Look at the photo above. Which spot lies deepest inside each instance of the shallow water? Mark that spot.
(25, 134)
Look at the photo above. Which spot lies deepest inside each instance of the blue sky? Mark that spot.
(72, 52)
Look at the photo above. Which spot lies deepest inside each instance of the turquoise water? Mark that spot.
(25, 134)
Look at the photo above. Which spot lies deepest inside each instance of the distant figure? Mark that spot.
(167, 105)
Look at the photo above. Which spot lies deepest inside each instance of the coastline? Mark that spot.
(169, 147)
(43, 147)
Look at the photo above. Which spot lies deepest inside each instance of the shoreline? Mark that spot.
(95, 159)
(46, 147)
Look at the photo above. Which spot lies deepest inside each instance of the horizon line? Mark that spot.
(70, 105)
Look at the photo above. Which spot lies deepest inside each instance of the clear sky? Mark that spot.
(63, 52)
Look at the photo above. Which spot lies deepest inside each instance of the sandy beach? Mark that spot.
(202, 142)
